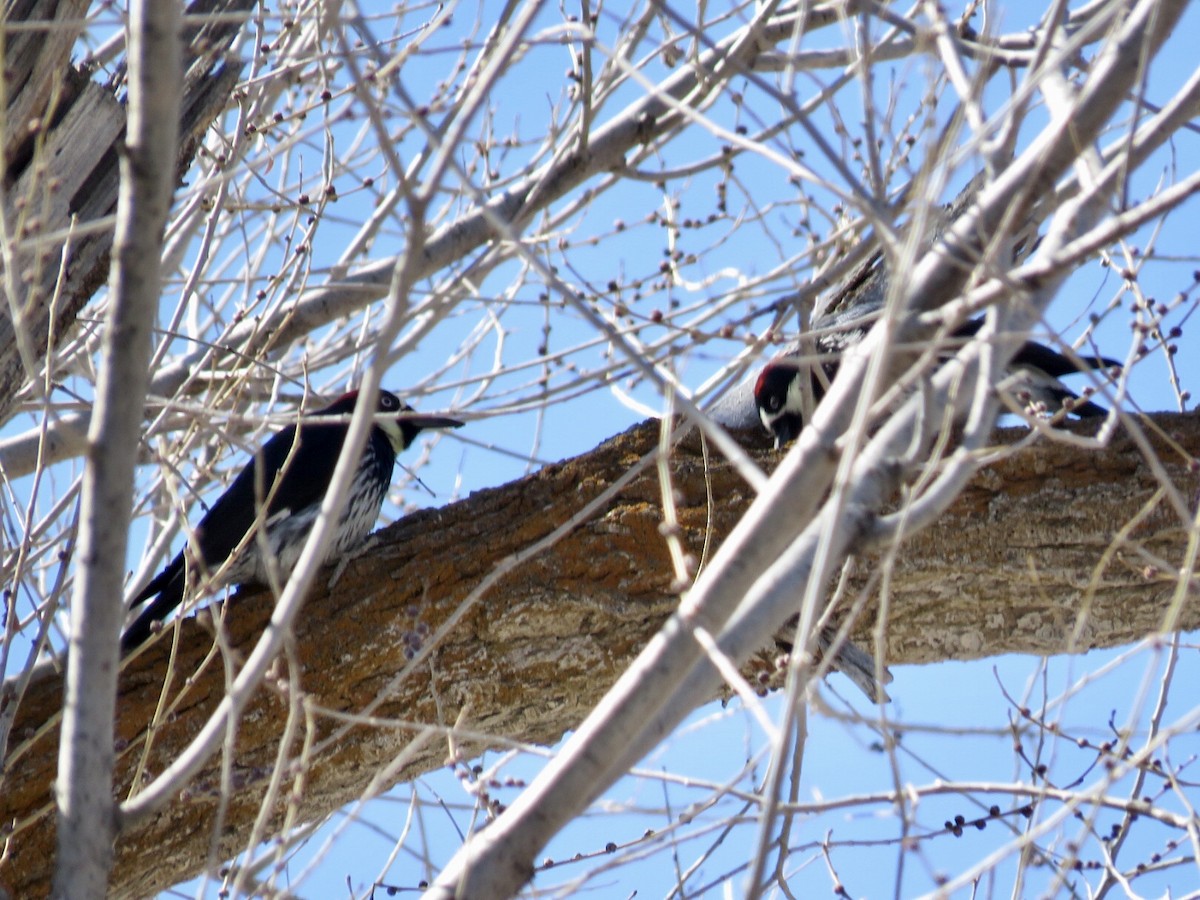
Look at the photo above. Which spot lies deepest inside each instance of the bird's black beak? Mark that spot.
(786, 430)
(420, 422)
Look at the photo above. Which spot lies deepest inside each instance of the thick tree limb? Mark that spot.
(1028, 553)
(35, 60)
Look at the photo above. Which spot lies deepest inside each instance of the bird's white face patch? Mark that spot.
(770, 418)
(395, 436)
(795, 395)
(793, 403)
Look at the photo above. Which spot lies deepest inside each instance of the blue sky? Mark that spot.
(955, 720)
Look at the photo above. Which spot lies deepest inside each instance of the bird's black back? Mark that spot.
(304, 479)
(1043, 358)
(303, 476)
(836, 334)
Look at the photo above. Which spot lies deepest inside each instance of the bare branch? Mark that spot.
(86, 824)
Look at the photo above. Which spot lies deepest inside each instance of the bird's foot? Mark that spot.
(362, 550)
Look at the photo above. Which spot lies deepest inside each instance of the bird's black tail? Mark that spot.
(850, 659)
(167, 591)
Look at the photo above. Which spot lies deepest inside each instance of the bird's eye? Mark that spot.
(387, 401)
(775, 403)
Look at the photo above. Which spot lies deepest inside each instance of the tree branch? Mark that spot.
(1086, 562)
(86, 818)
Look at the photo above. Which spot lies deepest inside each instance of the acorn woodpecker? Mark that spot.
(290, 473)
(1033, 375)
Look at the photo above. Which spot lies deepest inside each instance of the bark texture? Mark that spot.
(1030, 551)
